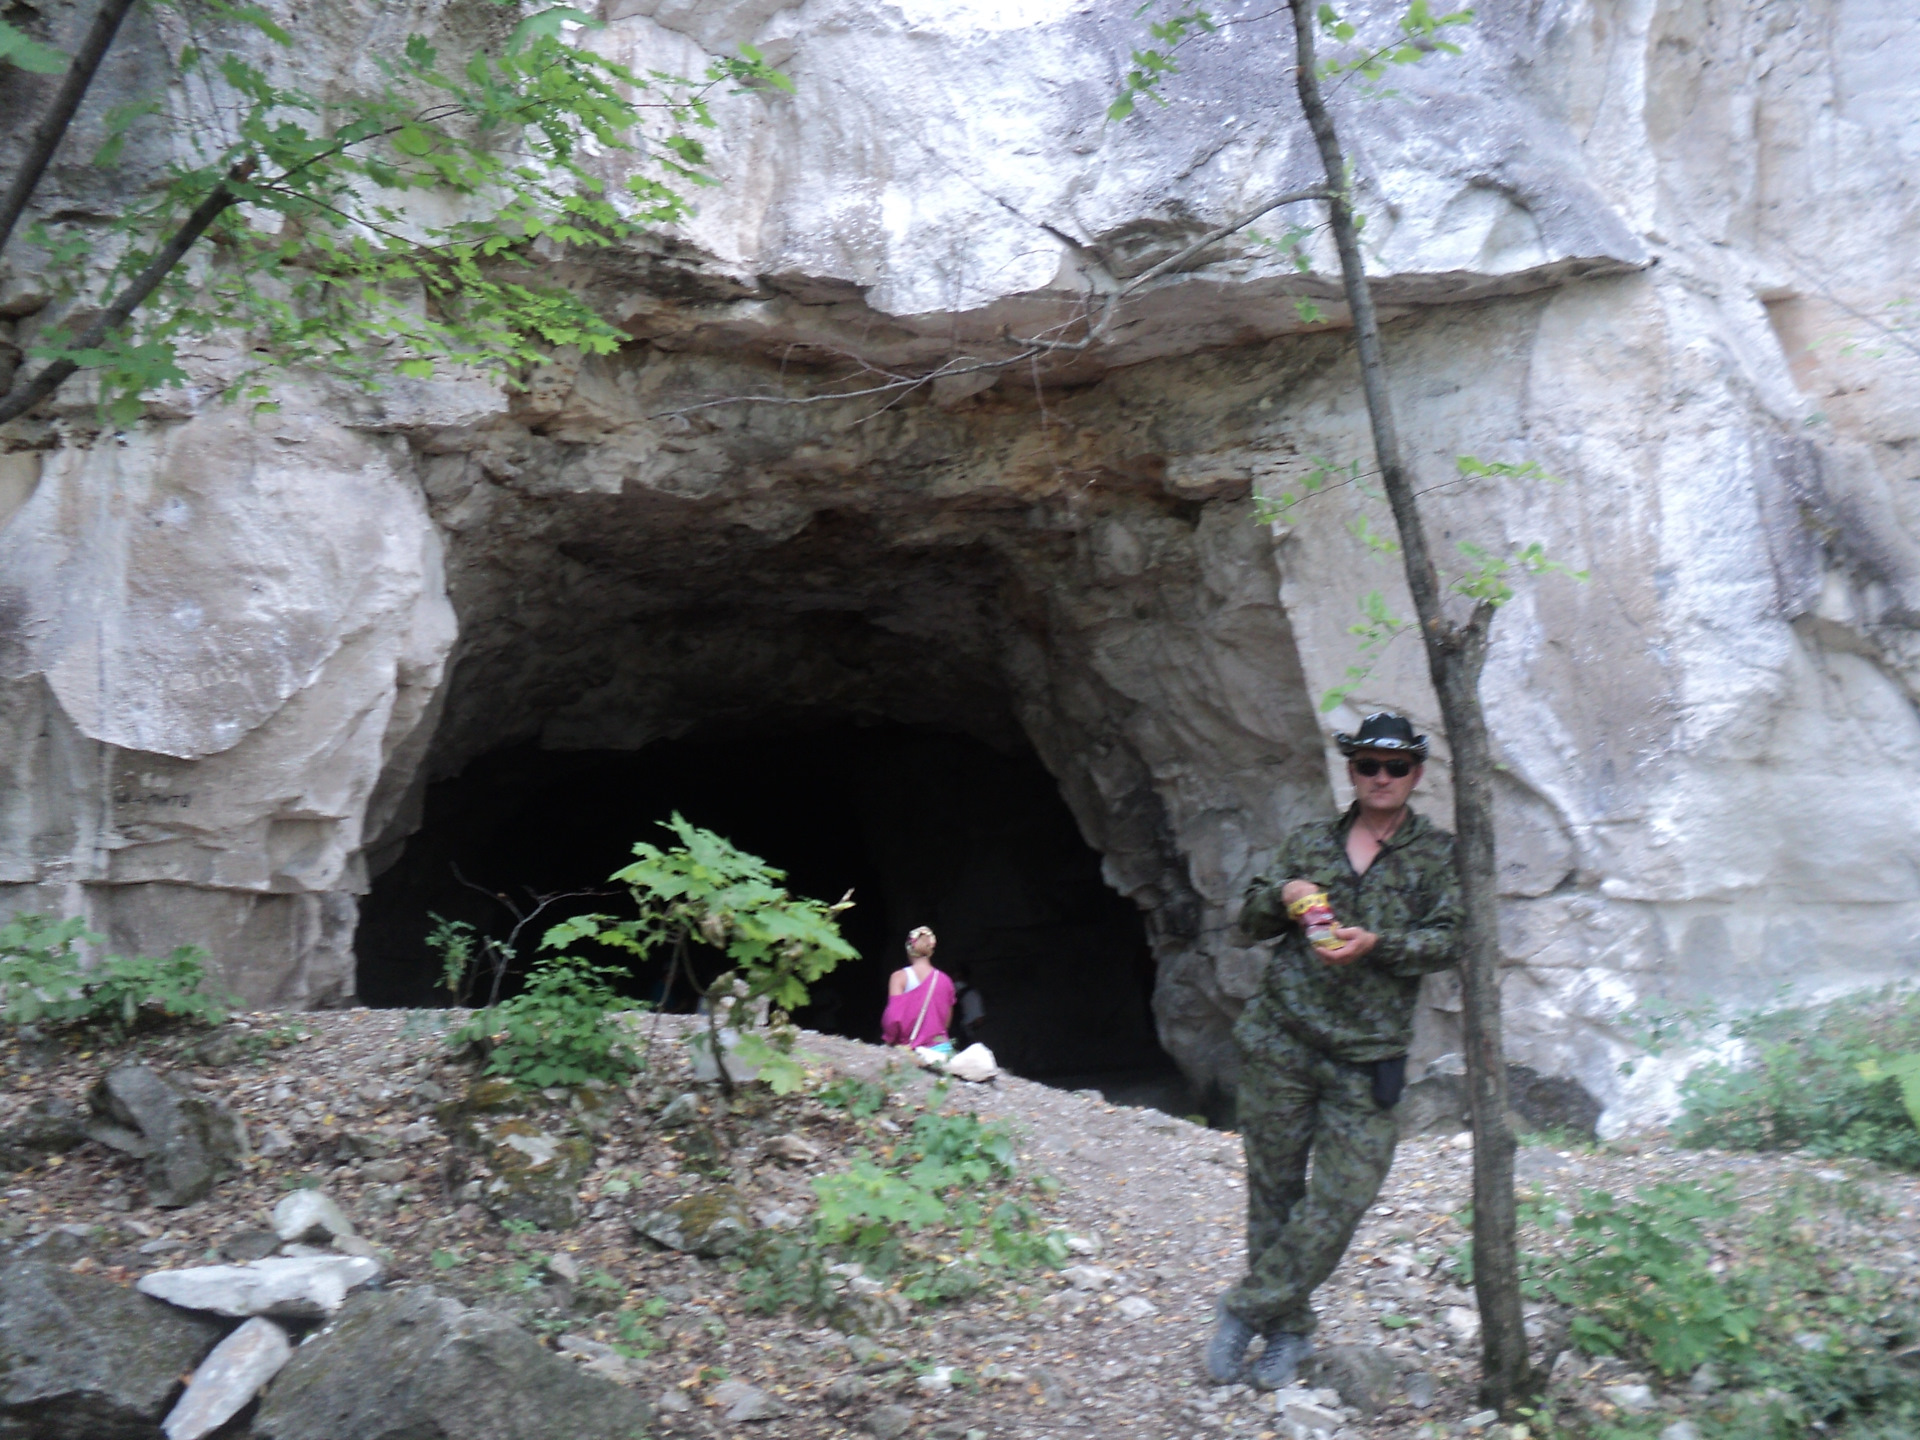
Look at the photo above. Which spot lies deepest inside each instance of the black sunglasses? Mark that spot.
(1398, 769)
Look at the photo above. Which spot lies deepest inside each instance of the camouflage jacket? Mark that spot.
(1361, 1011)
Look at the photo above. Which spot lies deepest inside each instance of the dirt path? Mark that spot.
(1159, 1198)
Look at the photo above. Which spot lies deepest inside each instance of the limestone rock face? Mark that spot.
(1652, 252)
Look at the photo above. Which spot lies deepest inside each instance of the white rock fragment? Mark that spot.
(310, 1215)
(1463, 1322)
(1137, 1307)
(286, 1288)
(937, 1381)
(564, 1265)
(1087, 1277)
(1083, 1245)
(745, 1403)
(236, 1371)
(792, 1147)
(1634, 1399)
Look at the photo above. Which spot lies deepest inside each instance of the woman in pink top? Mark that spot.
(919, 998)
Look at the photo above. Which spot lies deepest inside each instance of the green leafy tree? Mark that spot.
(294, 226)
(705, 891)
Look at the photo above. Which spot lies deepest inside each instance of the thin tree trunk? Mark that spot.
(52, 128)
(1455, 654)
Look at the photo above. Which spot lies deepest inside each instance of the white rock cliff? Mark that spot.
(1650, 245)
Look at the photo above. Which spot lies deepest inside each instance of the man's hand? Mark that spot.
(1355, 942)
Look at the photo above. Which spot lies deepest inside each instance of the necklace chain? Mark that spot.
(1380, 836)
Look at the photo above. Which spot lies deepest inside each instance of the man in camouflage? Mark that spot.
(1324, 1045)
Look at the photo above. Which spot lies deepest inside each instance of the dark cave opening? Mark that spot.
(927, 827)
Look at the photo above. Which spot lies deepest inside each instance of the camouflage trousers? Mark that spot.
(1296, 1102)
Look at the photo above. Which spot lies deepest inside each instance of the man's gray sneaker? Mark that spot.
(1280, 1361)
(1227, 1350)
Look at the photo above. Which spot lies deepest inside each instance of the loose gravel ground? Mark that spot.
(1161, 1199)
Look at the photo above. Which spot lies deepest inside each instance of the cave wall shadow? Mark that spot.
(927, 827)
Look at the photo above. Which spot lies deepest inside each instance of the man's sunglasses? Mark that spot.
(1398, 769)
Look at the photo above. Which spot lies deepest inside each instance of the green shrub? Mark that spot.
(1831, 1080)
(1639, 1278)
(1809, 1336)
(558, 1030)
(938, 1217)
(42, 980)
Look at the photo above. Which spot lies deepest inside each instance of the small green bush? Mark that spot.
(1832, 1080)
(42, 980)
(558, 1030)
(938, 1215)
(1809, 1336)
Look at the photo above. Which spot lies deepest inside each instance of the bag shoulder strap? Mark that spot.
(933, 980)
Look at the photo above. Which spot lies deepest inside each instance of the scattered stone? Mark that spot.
(1087, 1277)
(1479, 1420)
(792, 1147)
(845, 1389)
(526, 1172)
(1083, 1245)
(709, 1222)
(191, 1142)
(887, 1422)
(50, 1127)
(249, 1245)
(1634, 1399)
(84, 1359)
(684, 1110)
(283, 1288)
(413, 1362)
(1462, 1141)
(745, 1404)
(1305, 1412)
(222, 1048)
(275, 1141)
(385, 1172)
(1462, 1321)
(1422, 1390)
(1137, 1307)
(1681, 1430)
(673, 1401)
(311, 1217)
(236, 1371)
(937, 1381)
(1705, 1380)
(1361, 1375)
(564, 1265)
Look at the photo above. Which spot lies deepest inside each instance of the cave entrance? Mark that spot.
(926, 826)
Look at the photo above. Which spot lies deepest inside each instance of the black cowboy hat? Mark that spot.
(1383, 730)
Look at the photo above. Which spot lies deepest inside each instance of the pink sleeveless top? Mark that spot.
(903, 1023)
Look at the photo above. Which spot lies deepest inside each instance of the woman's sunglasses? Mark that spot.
(1398, 769)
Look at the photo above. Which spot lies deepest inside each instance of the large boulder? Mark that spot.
(84, 1359)
(413, 1363)
(188, 1140)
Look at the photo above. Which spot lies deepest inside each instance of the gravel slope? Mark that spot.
(1160, 1198)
